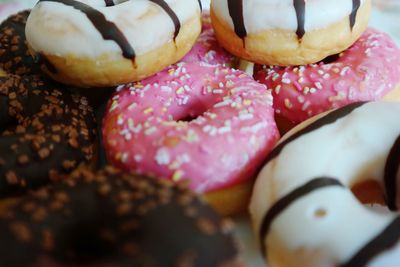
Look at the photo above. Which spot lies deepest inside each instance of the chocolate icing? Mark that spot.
(353, 15)
(300, 7)
(388, 238)
(236, 13)
(289, 199)
(391, 172)
(14, 55)
(108, 30)
(330, 118)
(44, 130)
(110, 218)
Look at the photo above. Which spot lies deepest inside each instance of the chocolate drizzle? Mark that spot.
(353, 15)
(201, 6)
(392, 169)
(164, 5)
(300, 7)
(289, 199)
(109, 2)
(384, 241)
(330, 118)
(236, 13)
(107, 29)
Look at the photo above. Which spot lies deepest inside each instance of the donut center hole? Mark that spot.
(369, 192)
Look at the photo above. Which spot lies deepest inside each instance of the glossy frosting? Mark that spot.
(113, 27)
(309, 206)
(366, 71)
(210, 124)
(252, 16)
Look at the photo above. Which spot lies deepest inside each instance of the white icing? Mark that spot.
(261, 15)
(58, 29)
(353, 149)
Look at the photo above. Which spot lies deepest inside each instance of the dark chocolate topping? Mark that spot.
(391, 174)
(330, 118)
(201, 6)
(44, 130)
(14, 54)
(289, 199)
(388, 238)
(353, 15)
(109, 2)
(300, 7)
(107, 29)
(164, 5)
(114, 219)
(236, 13)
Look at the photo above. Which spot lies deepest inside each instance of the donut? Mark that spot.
(288, 32)
(310, 214)
(110, 218)
(14, 54)
(105, 43)
(44, 131)
(367, 71)
(207, 49)
(209, 124)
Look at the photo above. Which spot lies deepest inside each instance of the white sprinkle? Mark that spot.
(318, 85)
(278, 89)
(166, 89)
(223, 130)
(246, 116)
(138, 158)
(286, 80)
(218, 91)
(162, 157)
(132, 106)
(150, 131)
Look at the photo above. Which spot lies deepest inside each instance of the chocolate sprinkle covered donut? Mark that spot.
(114, 219)
(44, 130)
(14, 53)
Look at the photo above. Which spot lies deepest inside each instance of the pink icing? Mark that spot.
(365, 72)
(207, 48)
(210, 124)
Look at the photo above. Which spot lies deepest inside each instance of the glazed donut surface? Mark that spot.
(288, 32)
(306, 215)
(98, 43)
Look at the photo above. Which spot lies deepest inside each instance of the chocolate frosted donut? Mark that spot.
(14, 54)
(43, 131)
(111, 218)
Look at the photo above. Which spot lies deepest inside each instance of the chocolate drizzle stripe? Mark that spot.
(236, 13)
(201, 6)
(289, 199)
(388, 238)
(392, 168)
(330, 118)
(171, 14)
(109, 2)
(353, 15)
(300, 7)
(107, 29)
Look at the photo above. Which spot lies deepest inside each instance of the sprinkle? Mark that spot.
(218, 91)
(148, 110)
(162, 157)
(278, 89)
(132, 106)
(180, 90)
(138, 158)
(225, 129)
(246, 116)
(166, 89)
(286, 80)
(150, 131)
(177, 176)
(313, 90)
(318, 85)
(288, 104)
(247, 102)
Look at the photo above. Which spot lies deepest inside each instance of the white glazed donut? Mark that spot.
(288, 32)
(302, 206)
(108, 42)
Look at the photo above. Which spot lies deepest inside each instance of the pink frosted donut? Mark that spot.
(207, 48)
(369, 70)
(209, 124)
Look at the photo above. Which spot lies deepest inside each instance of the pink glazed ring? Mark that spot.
(210, 125)
(367, 71)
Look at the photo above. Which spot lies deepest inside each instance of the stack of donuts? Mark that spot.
(115, 115)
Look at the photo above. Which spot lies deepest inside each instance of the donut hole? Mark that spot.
(369, 192)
